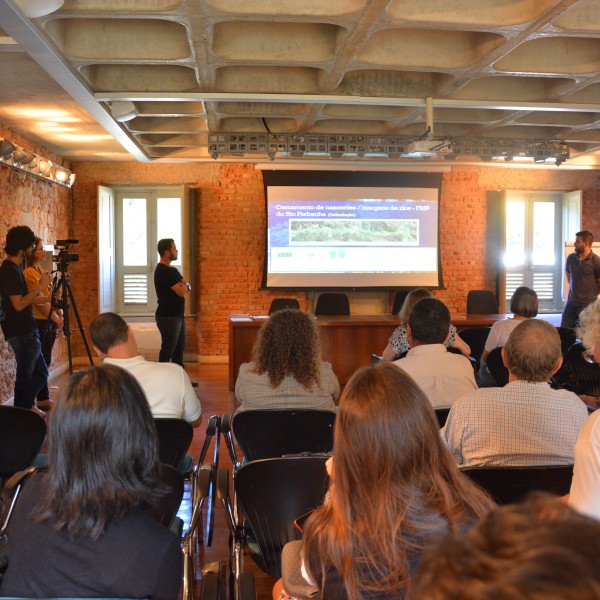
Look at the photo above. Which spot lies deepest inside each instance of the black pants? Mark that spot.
(47, 330)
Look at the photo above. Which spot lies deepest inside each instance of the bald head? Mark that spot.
(532, 352)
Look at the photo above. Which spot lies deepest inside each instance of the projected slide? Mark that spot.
(320, 236)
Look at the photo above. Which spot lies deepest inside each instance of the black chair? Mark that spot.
(174, 439)
(281, 303)
(476, 338)
(166, 509)
(585, 371)
(512, 484)
(22, 434)
(272, 433)
(442, 414)
(399, 299)
(481, 302)
(332, 304)
(564, 376)
(271, 494)
(496, 367)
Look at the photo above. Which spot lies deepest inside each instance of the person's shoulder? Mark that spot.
(474, 400)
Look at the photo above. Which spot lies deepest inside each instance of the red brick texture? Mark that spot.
(46, 208)
(230, 233)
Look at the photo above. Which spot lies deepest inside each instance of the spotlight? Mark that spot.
(22, 157)
(44, 166)
(61, 175)
(6, 148)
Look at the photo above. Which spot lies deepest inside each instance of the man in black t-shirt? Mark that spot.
(171, 290)
(19, 326)
(582, 270)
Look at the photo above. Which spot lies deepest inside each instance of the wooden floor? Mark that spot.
(215, 398)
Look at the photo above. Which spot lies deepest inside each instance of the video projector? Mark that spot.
(429, 148)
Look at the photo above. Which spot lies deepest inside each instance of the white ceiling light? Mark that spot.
(38, 8)
(123, 111)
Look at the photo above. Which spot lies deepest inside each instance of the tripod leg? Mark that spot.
(81, 329)
(66, 324)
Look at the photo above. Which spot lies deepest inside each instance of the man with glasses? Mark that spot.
(19, 326)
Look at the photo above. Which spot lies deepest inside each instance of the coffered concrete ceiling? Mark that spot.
(526, 69)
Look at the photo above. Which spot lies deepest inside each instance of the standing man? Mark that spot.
(19, 326)
(171, 290)
(583, 275)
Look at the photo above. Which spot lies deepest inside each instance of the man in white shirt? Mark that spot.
(442, 375)
(167, 386)
(526, 422)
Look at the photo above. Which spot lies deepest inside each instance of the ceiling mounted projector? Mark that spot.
(424, 148)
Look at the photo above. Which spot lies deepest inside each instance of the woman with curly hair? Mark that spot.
(286, 370)
(394, 488)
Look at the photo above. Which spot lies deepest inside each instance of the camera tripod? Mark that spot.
(61, 288)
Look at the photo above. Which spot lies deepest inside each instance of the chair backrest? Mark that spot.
(272, 433)
(475, 337)
(496, 367)
(281, 303)
(442, 414)
(332, 304)
(586, 372)
(166, 509)
(567, 339)
(512, 484)
(174, 439)
(399, 299)
(481, 302)
(22, 434)
(272, 493)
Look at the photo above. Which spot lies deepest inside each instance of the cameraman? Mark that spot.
(19, 326)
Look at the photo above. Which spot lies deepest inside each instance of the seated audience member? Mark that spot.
(398, 343)
(540, 549)
(585, 489)
(393, 490)
(526, 422)
(443, 376)
(78, 531)
(286, 370)
(523, 305)
(167, 386)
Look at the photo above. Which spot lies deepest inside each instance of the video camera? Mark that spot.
(64, 256)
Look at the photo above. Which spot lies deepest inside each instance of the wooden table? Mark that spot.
(347, 342)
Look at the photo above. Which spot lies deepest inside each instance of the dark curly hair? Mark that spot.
(288, 344)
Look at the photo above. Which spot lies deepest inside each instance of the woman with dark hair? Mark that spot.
(398, 343)
(48, 320)
(523, 305)
(394, 488)
(79, 531)
(286, 370)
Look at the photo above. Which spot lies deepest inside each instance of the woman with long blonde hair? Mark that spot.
(394, 488)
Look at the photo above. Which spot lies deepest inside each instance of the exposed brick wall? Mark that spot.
(229, 251)
(46, 208)
(230, 233)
